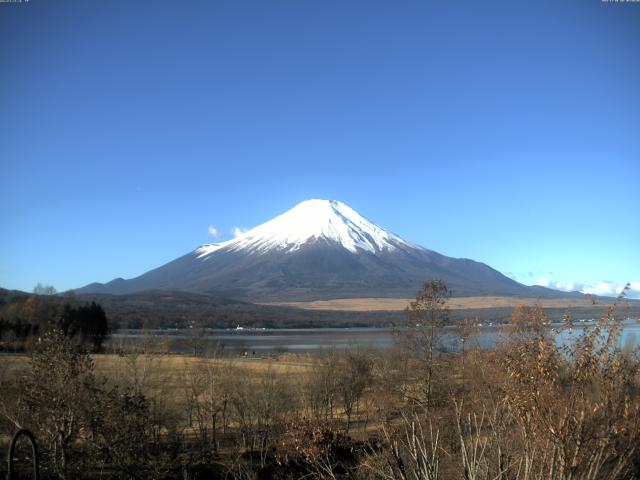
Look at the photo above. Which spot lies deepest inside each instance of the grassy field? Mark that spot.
(168, 369)
(397, 304)
(14, 363)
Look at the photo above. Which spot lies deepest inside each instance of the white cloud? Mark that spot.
(605, 288)
(543, 282)
(568, 286)
(600, 288)
(213, 231)
(634, 290)
(612, 289)
(237, 231)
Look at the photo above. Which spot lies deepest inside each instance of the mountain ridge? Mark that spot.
(319, 249)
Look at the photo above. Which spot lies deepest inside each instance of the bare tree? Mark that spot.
(140, 364)
(41, 289)
(413, 452)
(465, 331)
(61, 393)
(425, 316)
(353, 378)
(321, 385)
(206, 399)
(196, 337)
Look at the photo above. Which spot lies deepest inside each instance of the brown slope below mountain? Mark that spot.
(394, 304)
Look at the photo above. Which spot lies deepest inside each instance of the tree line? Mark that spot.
(24, 320)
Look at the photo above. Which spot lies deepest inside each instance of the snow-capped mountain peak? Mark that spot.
(318, 250)
(312, 220)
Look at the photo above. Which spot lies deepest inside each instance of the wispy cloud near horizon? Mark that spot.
(237, 231)
(605, 288)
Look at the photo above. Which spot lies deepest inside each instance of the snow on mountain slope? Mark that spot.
(312, 220)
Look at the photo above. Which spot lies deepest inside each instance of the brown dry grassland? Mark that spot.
(168, 369)
(171, 366)
(398, 304)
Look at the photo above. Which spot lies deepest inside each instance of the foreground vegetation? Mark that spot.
(530, 409)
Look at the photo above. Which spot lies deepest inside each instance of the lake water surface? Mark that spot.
(303, 340)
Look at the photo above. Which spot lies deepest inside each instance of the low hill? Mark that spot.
(167, 309)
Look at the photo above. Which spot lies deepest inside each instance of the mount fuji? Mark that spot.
(318, 250)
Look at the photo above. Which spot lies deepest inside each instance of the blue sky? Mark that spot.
(507, 132)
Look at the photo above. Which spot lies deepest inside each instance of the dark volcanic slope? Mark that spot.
(321, 271)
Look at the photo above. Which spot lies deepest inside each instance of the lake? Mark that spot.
(304, 340)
